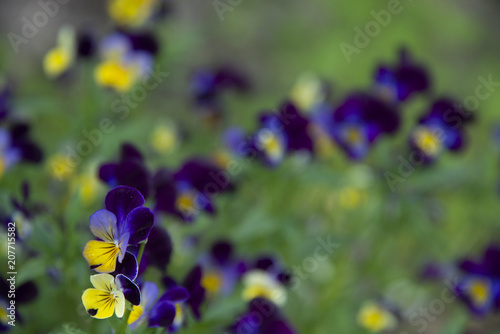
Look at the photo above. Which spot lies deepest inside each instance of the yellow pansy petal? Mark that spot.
(115, 75)
(56, 62)
(119, 304)
(136, 313)
(101, 256)
(99, 304)
(104, 282)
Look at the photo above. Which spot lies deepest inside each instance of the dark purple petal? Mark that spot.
(108, 174)
(121, 200)
(134, 174)
(230, 78)
(165, 192)
(192, 283)
(138, 223)
(265, 263)
(222, 251)
(130, 152)
(278, 327)
(204, 176)
(86, 44)
(162, 314)
(129, 289)
(26, 292)
(159, 248)
(175, 295)
(128, 267)
(142, 41)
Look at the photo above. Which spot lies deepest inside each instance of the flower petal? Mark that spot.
(162, 314)
(101, 256)
(121, 200)
(119, 304)
(129, 289)
(175, 295)
(103, 225)
(138, 223)
(128, 267)
(99, 304)
(103, 282)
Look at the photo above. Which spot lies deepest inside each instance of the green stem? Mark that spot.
(128, 310)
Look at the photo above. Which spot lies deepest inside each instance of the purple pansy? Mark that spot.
(130, 171)
(399, 82)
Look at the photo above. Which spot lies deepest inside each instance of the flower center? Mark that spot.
(479, 292)
(428, 141)
(212, 281)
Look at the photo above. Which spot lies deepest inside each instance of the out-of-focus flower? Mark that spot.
(109, 295)
(130, 171)
(140, 313)
(124, 222)
(399, 82)
(170, 310)
(221, 270)
(121, 66)
(441, 129)
(479, 286)
(358, 122)
(60, 58)
(158, 250)
(87, 186)
(272, 321)
(23, 213)
(60, 167)
(308, 92)
(5, 100)
(375, 317)
(165, 138)
(132, 13)
(9, 155)
(265, 279)
(189, 191)
(207, 86)
(85, 44)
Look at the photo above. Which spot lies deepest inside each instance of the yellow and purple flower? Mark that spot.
(109, 295)
(479, 286)
(124, 222)
(439, 130)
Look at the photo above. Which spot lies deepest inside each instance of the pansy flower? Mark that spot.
(309, 91)
(132, 13)
(158, 250)
(5, 100)
(59, 59)
(121, 66)
(479, 286)
(140, 313)
(189, 191)
(271, 319)
(358, 122)
(439, 130)
(130, 170)
(207, 86)
(266, 279)
(221, 270)
(399, 82)
(376, 317)
(16, 147)
(124, 222)
(109, 295)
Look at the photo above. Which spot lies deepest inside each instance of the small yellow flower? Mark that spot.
(376, 318)
(116, 74)
(60, 58)
(428, 140)
(60, 167)
(164, 139)
(307, 92)
(132, 13)
(105, 299)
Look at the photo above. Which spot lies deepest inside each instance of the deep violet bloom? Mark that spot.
(142, 41)
(479, 286)
(130, 171)
(170, 310)
(19, 140)
(5, 101)
(158, 250)
(400, 81)
(440, 129)
(221, 269)
(188, 191)
(124, 222)
(86, 44)
(25, 293)
(272, 322)
(358, 122)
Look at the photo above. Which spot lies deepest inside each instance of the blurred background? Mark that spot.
(385, 236)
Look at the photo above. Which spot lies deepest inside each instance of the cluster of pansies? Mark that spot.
(310, 122)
